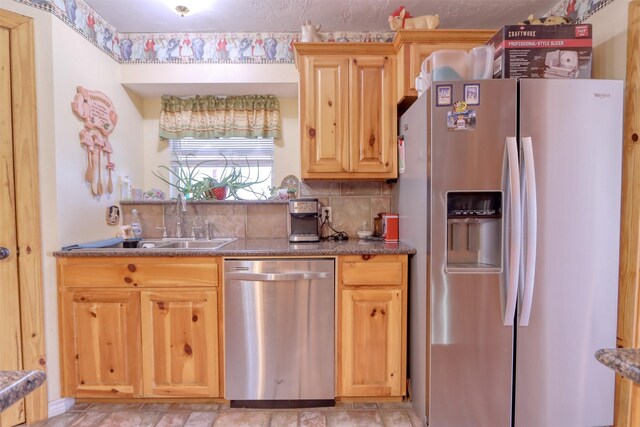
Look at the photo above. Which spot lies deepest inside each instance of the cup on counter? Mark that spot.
(377, 225)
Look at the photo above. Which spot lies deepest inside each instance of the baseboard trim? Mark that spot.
(60, 406)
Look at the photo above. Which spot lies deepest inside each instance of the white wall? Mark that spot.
(287, 151)
(610, 41)
(82, 215)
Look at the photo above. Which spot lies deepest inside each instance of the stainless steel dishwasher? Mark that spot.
(279, 332)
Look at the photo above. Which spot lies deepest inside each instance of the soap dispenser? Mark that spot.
(136, 226)
(125, 188)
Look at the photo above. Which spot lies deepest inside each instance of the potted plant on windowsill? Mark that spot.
(231, 181)
(213, 189)
(185, 178)
(197, 185)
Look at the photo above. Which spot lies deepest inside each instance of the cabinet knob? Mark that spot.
(312, 133)
(4, 253)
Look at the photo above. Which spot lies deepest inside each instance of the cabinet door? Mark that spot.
(324, 117)
(180, 343)
(373, 135)
(101, 343)
(371, 342)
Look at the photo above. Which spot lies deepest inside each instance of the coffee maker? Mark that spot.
(302, 223)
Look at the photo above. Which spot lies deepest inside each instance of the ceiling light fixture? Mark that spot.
(182, 10)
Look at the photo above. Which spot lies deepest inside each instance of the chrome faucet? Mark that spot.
(178, 228)
(181, 206)
(181, 202)
(194, 230)
(207, 229)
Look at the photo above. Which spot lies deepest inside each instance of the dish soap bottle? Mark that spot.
(136, 227)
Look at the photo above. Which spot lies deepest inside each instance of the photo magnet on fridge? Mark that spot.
(472, 94)
(443, 95)
(460, 118)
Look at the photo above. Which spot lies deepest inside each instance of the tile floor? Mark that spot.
(220, 415)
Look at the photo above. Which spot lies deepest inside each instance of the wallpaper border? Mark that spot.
(222, 48)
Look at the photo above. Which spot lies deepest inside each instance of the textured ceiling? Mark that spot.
(158, 16)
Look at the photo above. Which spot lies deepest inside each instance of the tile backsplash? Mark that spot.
(352, 204)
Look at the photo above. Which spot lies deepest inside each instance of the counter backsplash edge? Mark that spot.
(352, 204)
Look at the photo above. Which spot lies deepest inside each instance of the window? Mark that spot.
(253, 157)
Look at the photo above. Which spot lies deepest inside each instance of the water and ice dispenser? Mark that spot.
(474, 230)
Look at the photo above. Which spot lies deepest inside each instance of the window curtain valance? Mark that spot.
(205, 117)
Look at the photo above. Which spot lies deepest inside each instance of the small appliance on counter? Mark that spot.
(302, 223)
(390, 227)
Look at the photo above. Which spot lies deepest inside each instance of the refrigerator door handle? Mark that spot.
(515, 230)
(531, 208)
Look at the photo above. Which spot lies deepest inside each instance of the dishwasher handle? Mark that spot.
(278, 277)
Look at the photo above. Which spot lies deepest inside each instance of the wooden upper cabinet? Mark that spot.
(100, 339)
(414, 46)
(347, 110)
(180, 343)
(324, 116)
(372, 115)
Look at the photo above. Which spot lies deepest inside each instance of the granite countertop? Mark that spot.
(625, 361)
(14, 385)
(259, 247)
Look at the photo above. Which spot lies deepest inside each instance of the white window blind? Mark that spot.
(240, 151)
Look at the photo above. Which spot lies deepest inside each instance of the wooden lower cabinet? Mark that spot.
(180, 343)
(100, 343)
(372, 331)
(155, 341)
(147, 340)
(371, 342)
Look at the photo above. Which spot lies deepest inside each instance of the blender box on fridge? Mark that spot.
(544, 51)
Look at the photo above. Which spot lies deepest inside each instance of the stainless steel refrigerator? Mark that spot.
(511, 197)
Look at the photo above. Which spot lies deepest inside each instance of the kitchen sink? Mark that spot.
(186, 243)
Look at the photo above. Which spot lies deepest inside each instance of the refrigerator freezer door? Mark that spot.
(576, 131)
(471, 351)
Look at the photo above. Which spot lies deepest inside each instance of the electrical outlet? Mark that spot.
(326, 214)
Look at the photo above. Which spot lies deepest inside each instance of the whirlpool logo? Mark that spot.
(602, 95)
(278, 381)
